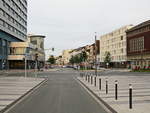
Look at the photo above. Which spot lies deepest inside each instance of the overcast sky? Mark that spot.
(70, 24)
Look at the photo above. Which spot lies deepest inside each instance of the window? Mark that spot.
(122, 50)
(121, 37)
(136, 44)
(17, 51)
(4, 47)
(34, 42)
(1, 22)
(1, 12)
(1, 47)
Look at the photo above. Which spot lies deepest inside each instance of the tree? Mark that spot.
(78, 58)
(72, 60)
(84, 56)
(52, 60)
(107, 57)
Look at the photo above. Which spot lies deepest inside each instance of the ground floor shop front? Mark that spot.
(139, 61)
(122, 64)
(20, 64)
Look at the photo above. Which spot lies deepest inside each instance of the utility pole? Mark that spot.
(141, 58)
(36, 64)
(142, 55)
(95, 54)
(25, 65)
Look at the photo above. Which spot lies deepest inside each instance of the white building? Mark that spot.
(115, 43)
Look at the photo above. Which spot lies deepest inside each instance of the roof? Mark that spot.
(146, 23)
(37, 36)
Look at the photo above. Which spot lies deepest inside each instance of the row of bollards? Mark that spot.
(89, 79)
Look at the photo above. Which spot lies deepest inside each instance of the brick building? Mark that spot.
(138, 45)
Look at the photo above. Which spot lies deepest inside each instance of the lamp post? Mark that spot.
(141, 58)
(142, 55)
(25, 58)
(50, 49)
(36, 64)
(95, 54)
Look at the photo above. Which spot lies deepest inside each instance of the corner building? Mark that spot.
(13, 27)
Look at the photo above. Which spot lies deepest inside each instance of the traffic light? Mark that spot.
(52, 49)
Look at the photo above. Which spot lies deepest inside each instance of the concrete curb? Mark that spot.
(103, 102)
(30, 91)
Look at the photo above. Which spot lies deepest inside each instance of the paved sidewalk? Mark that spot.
(12, 88)
(14, 71)
(117, 69)
(141, 92)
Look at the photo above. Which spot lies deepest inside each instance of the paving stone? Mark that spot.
(12, 88)
(141, 92)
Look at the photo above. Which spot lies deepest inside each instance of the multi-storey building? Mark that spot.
(66, 56)
(138, 45)
(115, 44)
(13, 26)
(90, 52)
(32, 50)
(59, 60)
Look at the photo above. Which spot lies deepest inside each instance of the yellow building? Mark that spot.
(66, 55)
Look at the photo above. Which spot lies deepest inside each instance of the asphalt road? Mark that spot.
(60, 94)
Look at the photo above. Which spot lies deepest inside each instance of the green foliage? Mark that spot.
(84, 56)
(52, 60)
(72, 60)
(79, 58)
(107, 57)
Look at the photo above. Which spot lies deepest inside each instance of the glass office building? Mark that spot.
(13, 26)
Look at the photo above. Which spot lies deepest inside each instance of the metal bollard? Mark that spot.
(91, 79)
(88, 78)
(130, 96)
(106, 86)
(100, 82)
(116, 89)
(95, 82)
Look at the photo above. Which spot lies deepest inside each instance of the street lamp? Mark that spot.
(142, 55)
(95, 54)
(25, 58)
(36, 63)
(50, 49)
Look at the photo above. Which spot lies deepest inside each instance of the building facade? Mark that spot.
(18, 52)
(66, 55)
(115, 43)
(13, 26)
(138, 45)
(59, 60)
(31, 50)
